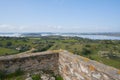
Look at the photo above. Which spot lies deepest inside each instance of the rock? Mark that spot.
(96, 75)
(29, 78)
(44, 77)
(52, 78)
(28, 74)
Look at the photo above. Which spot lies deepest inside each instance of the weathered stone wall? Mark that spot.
(69, 66)
(73, 67)
(30, 62)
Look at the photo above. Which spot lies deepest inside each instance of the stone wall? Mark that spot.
(69, 66)
(73, 67)
(30, 62)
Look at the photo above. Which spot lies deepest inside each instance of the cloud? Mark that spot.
(7, 28)
(29, 28)
(54, 28)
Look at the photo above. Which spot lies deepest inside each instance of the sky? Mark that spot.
(60, 16)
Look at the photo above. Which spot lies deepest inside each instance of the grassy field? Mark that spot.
(7, 51)
(104, 51)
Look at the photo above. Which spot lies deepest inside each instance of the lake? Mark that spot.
(98, 37)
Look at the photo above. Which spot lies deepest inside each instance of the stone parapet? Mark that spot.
(68, 65)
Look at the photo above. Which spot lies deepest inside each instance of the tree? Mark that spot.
(1, 45)
(86, 51)
(8, 44)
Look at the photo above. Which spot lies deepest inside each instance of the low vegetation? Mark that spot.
(104, 51)
(36, 77)
(20, 75)
(16, 75)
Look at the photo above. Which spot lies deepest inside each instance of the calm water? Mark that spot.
(100, 37)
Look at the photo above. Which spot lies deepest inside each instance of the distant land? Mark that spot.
(100, 36)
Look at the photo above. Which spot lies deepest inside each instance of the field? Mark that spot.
(104, 51)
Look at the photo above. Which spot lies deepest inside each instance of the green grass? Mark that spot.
(4, 51)
(58, 77)
(72, 44)
(36, 77)
(17, 75)
(16, 78)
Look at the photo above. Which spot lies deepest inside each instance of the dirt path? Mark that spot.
(29, 51)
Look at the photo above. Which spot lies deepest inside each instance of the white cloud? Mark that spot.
(30, 28)
(51, 28)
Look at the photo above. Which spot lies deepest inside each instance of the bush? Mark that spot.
(41, 48)
(8, 44)
(58, 77)
(86, 51)
(2, 75)
(36, 77)
(1, 45)
(87, 45)
(18, 72)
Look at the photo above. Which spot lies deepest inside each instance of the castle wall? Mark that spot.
(30, 62)
(74, 67)
(69, 66)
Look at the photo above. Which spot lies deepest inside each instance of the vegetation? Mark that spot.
(58, 77)
(36, 77)
(104, 51)
(16, 74)
(19, 75)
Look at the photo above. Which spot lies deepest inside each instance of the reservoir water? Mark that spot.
(89, 36)
(100, 37)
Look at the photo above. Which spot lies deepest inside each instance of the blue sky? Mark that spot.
(59, 15)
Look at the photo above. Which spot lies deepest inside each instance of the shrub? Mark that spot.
(58, 77)
(36, 77)
(2, 75)
(8, 44)
(86, 51)
(18, 72)
(87, 45)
